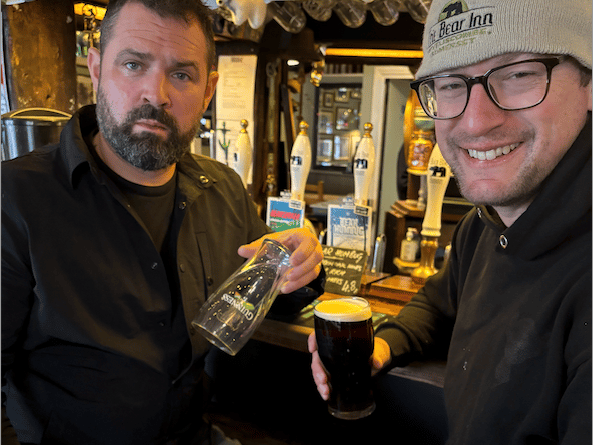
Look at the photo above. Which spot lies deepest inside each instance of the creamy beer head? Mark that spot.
(344, 309)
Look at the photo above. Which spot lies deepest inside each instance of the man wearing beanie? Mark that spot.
(509, 85)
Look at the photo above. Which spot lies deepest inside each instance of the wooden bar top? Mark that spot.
(369, 278)
(397, 289)
(386, 295)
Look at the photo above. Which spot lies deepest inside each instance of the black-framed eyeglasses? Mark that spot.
(515, 86)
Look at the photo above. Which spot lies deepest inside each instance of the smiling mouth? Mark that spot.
(491, 154)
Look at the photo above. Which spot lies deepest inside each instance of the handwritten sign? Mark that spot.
(343, 268)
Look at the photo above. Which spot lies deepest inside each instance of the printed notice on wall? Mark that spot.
(343, 268)
(349, 227)
(235, 93)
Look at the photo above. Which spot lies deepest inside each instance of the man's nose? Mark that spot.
(481, 113)
(156, 90)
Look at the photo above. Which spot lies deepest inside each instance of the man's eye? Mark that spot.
(182, 76)
(523, 72)
(132, 66)
(450, 86)
(519, 75)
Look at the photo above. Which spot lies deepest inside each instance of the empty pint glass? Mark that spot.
(345, 342)
(234, 311)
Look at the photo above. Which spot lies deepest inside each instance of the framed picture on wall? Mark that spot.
(342, 118)
(328, 99)
(342, 94)
(325, 122)
(335, 125)
(325, 148)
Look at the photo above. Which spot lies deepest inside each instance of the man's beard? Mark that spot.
(146, 151)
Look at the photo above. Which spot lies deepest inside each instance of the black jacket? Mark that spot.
(97, 342)
(516, 320)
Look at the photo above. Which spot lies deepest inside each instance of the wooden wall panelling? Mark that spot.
(40, 48)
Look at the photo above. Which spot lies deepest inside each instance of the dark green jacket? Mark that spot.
(95, 324)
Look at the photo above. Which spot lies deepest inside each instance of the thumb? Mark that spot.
(248, 250)
(381, 354)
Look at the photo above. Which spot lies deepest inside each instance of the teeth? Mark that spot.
(492, 154)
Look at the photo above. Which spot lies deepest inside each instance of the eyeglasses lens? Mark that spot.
(514, 87)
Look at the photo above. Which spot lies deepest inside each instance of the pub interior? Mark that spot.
(345, 73)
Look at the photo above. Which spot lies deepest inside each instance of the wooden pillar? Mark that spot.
(260, 143)
(40, 54)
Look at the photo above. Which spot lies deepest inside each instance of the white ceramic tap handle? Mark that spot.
(240, 157)
(437, 179)
(364, 167)
(300, 163)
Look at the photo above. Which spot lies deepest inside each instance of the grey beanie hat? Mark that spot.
(464, 32)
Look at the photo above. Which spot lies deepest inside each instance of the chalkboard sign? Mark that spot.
(344, 269)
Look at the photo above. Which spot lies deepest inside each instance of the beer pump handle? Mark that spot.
(437, 179)
(240, 158)
(364, 167)
(300, 163)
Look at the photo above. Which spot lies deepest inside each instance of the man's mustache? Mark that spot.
(148, 111)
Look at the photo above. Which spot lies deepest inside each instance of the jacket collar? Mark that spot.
(76, 157)
(74, 154)
(193, 178)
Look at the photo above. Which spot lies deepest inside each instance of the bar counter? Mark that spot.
(268, 385)
(386, 294)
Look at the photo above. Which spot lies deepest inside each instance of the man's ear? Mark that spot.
(94, 64)
(210, 88)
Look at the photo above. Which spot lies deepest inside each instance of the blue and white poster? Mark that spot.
(349, 227)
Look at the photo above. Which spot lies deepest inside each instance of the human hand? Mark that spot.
(381, 357)
(305, 259)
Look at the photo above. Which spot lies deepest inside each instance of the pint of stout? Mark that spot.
(345, 341)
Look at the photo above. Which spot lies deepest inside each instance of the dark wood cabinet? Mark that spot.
(403, 215)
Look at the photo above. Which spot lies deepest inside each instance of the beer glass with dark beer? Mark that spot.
(345, 341)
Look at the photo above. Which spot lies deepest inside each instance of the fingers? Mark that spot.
(381, 354)
(319, 376)
(381, 357)
(306, 248)
(296, 281)
(312, 343)
(301, 242)
(248, 250)
(305, 260)
(317, 369)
